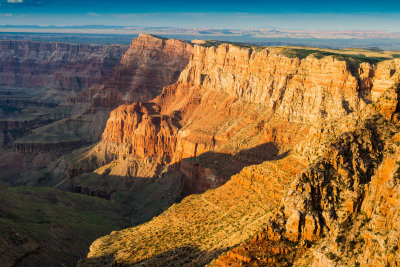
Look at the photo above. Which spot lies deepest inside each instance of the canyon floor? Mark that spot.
(172, 153)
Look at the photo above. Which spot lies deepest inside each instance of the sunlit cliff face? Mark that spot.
(234, 101)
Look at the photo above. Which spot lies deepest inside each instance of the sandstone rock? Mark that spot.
(146, 67)
(230, 98)
(226, 82)
(312, 228)
(293, 226)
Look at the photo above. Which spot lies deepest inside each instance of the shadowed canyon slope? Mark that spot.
(48, 227)
(332, 120)
(33, 154)
(36, 77)
(149, 64)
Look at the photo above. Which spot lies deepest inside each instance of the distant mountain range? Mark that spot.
(254, 33)
(112, 34)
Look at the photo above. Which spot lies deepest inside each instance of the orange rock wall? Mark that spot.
(147, 66)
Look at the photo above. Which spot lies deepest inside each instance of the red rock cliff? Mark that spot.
(147, 66)
(226, 88)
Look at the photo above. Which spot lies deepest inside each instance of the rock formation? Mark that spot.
(234, 86)
(332, 122)
(336, 213)
(60, 67)
(302, 146)
(146, 67)
(36, 76)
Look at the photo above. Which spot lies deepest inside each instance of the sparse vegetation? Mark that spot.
(340, 239)
(52, 218)
(332, 256)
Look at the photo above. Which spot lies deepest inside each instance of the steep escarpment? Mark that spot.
(223, 91)
(300, 139)
(146, 67)
(149, 64)
(337, 211)
(60, 67)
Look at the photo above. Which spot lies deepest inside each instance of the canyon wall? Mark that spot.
(102, 79)
(239, 105)
(62, 66)
(227, 87)
(35, 77)
(113, 76)
(342, 210)
(146, 67)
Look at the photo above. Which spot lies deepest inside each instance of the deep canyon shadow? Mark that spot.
(149, 197)
(213, 169)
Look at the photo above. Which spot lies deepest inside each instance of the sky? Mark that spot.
(233, 14)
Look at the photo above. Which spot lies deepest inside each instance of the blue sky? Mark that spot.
(286, 14)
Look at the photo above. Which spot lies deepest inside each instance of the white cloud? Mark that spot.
(5, 15)
(93, 14)
(15, 1)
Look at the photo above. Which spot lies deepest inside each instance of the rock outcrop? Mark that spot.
(90, 70)
(146, 67)
(341, 202)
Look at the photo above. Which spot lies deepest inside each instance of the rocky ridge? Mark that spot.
(336, 212)
(303, 106)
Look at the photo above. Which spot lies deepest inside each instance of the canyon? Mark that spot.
(55, 116)
(139, 71)
(214, 154)
(291, 145)
(35, 77)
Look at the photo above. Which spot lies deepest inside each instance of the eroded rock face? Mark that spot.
(229, 99)
(347, 200)
(194, 115)
(146, 67)
(305, 90)
(386, 75)
(61, 66)
(138, 129)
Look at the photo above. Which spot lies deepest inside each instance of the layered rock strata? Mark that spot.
(341, 203)
(146, 67)
(62, 66)
(224, 88)
(230, 99)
